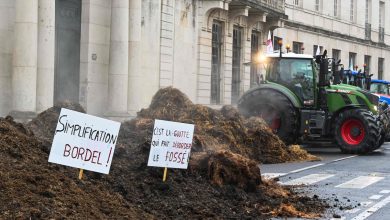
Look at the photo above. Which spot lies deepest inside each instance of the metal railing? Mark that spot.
(276, 5)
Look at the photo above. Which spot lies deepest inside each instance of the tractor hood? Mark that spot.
(362, 96)
(344, 87)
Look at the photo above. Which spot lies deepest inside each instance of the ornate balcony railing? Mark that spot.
(274, 5)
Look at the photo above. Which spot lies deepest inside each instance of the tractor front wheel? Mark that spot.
(357, 131)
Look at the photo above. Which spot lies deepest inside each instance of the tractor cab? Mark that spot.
(297, 72)
(380, 87)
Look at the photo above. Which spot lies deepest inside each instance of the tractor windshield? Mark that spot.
(296, 74)
(379, 88)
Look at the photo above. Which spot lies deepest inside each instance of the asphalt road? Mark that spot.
(357, 187)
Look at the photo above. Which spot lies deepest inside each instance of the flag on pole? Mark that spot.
(270, 48)
(318, 52)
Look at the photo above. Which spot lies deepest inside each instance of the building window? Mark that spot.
(367, 62)
(381, 61)
(315, 47)
(296, 2)
(317, 6)
(216, 55)
(297, 47)
(236, 67)
(352, 11)
(381, 38)
(368, 12)
(336, 54)
(336, 8)
(254, 53)
(367, 29)
(352, 61)
(381, 14)
(275, 43)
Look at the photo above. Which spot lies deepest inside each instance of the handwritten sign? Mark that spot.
(171, 144)
(84, 141)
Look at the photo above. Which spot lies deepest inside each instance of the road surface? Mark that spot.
(357, 187)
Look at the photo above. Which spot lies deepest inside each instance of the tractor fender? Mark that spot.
(346, 107)
(279, 88)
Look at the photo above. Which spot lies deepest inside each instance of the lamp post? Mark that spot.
(280, 43)
(288, 48)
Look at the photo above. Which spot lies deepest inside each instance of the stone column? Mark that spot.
(119, 58)
(135, 75)
(24, 77)
(46, 54)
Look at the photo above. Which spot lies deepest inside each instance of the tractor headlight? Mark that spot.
(376, 108)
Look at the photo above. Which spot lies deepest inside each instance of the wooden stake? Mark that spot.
(81, 174)
(165, 174)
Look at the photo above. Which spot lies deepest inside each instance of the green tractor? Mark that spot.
(302, 102)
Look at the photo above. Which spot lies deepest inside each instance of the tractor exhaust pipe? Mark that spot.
(323, 61)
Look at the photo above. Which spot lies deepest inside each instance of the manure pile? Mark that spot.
(222, 181)
(215, 130)
(30, 187)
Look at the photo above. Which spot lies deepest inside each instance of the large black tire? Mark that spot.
(382, 132)
(357, 131)
(256, 102)
(381, 140)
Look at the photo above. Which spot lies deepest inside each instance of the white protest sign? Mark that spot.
(171, 144)
(84, 141)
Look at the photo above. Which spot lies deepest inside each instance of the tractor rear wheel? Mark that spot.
(357, 131)
(382, 133)
(275, 108)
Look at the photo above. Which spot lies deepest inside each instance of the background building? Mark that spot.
(111, 56)
(355, 31)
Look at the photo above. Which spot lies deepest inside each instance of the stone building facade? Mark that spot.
(355, 31)
(111, 56)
